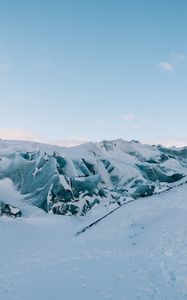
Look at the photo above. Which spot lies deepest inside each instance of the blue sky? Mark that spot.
(93, 70)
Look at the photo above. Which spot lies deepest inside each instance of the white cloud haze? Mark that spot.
(164, 66)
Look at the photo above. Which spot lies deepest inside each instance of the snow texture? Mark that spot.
(137, 252)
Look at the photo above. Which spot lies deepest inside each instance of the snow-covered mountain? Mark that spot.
(71, 181)
(136, 253)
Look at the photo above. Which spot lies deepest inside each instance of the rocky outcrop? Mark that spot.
(9, 210)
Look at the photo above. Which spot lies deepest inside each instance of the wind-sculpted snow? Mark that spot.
(71, 181)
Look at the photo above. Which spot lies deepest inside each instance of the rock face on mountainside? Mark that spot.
(9, 210)
(70, 181)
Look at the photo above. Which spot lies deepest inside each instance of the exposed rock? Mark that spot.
(9, 210)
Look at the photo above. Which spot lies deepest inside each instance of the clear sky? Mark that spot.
(93, 70)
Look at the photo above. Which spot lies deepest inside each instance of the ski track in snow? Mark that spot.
(138, 252)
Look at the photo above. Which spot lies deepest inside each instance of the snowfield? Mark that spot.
(137, 252)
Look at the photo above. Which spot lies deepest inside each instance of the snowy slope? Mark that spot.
(73, 181)
(138, 252)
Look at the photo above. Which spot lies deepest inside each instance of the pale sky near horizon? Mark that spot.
(93, 70)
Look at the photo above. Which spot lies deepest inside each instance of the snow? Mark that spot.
(138, 252)
(13, 145)
(10, 195)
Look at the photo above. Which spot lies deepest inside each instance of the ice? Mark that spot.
(71, 181)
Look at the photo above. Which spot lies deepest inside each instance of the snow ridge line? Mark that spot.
(103, 217)
(98, 220)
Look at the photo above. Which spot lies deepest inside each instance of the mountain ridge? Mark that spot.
(72, 181)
